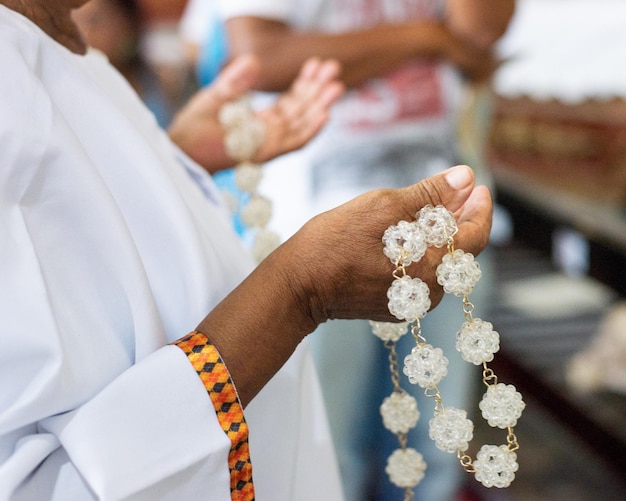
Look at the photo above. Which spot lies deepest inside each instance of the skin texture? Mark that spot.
(333, 267)
(464, 38)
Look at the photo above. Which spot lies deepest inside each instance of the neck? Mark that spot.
(53, 17)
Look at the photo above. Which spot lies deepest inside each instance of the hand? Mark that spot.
(295, 118)
(300, 113)
(341, 250)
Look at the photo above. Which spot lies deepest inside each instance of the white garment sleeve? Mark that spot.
(151, 433)
(153, 430)
(82, 415)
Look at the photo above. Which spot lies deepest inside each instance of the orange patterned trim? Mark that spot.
(207, 362)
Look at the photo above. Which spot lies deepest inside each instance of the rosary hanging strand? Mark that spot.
(244, 134)
(400, 414)
(458, 273)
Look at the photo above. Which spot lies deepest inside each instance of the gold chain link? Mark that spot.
(466, 462)
(394, 366)
(511, 440)
(489, 377)
(468, 309)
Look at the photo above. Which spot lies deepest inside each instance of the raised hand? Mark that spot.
(300, 113)
(295, 118)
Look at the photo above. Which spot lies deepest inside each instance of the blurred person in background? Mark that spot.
(405, 63)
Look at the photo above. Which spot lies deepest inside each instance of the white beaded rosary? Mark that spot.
(244, 134)
(409, 300)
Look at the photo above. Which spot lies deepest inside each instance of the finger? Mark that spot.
(315, 71)
(327, 70)
(312, 81)
(310, 68)
(451, 188)
(307, 106)
(233, 81)
(314, 116)
(478, 203)
(305, 114)
(475, 221)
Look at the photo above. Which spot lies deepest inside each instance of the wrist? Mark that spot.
(294, 278)
(260, 323)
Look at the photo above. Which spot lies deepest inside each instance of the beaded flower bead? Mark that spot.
(425, 366)
(399, 411)
(248, 176)
(243, 142)
(404, 243)
(437, 223)
(458, 273)
(265, 242)
(477, 341)
(257, 213)
(244, 133)
(495, 466)
(405, 467)
(234, 113)
(502, 405)
(451, 430)
(409, 298)
(389, 331)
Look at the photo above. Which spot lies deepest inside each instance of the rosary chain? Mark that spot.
(394, 366)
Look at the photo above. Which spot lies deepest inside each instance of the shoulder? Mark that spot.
(19, 37)
(20, 58)
(25, 108)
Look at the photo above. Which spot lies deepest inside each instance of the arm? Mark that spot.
(333, 268)
(363, 54)
(295, 118)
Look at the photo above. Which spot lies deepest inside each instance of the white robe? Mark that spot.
(112, 244)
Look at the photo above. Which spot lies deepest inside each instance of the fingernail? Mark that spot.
(458, 177)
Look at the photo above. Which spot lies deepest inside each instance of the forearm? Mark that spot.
(259, 325)
(363, 54)
(479, 22)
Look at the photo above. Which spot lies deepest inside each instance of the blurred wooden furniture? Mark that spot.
(558, 164)
(562, 166)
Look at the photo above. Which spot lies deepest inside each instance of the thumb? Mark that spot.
(472, 206)
(450, 188)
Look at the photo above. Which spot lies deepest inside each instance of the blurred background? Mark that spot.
(557, 150)
(556, 146)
